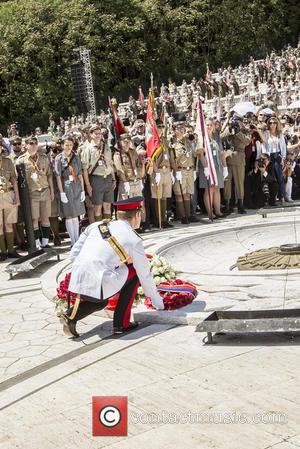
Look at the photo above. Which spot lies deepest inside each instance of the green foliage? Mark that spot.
(128, 40)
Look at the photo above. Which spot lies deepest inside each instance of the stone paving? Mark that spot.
(48, 380)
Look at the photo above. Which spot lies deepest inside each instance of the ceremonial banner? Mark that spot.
(141, 97)
(203, 140)
(152, 139)
(117, 122)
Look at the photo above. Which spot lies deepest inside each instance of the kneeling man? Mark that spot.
(108, 258)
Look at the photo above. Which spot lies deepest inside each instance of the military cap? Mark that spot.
(125, 136)
(178, 118)
(134, 203)
(95, 128)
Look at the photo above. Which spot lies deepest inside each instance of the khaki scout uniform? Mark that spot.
(101, 172)
(8, 210)
(38, 172)
(162, 165)
(128, 170)
(183, 161)
(236, 163)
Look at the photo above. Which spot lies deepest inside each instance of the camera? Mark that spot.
(261, 163)
(191, 137)
(234, 126)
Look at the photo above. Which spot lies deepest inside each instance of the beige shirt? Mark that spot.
(184, 155)
(7, 174)
(37, 170)
(90, 158)
(128, 169)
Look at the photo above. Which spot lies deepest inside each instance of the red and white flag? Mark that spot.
(203, 142)
(152, 139)
(141, 97)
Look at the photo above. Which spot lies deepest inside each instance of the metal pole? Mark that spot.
(26, 207)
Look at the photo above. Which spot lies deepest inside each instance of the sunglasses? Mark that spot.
(273, 123)
(32, 143)
(17, 143)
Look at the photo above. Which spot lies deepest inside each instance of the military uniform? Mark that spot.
(130, 172)
(105, 262)
(9, 211)
(236, 167)
(161, 180)
(8, 208)
(38, 176)
(183, 160)
(38, 172)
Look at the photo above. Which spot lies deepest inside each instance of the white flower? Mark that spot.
(155, 271)
(157, 280)
(163, 279)
(140, 291)
(162, 270)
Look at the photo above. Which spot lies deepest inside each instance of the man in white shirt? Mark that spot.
(109, 258)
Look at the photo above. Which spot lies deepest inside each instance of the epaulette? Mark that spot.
(106, 235)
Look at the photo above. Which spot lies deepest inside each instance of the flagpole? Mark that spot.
(157, 186)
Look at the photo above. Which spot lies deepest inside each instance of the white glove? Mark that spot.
(195, 175)
(157, 302)
(206, 172)
(82, 196)
(225, 172)
(157, 178)
(172, 178)
(64, 198)
(127, 187)
(141, 185)
(179, 176)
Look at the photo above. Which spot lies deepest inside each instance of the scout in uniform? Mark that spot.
(9, 202)
(40, 186)
(162, 178)
(98, 174)
(108, 258)
(129, 169)
(236, 162)
(183, 161)
(71, 188)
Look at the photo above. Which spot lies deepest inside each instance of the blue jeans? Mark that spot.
(279, 177)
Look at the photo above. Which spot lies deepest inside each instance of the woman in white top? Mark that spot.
(275, 147)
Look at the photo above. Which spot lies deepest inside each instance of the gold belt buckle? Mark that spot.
(188, 168)
(2, 191)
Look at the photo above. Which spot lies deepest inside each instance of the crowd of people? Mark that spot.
(78, 168)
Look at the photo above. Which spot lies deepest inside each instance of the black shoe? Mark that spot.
(226, 210)
(123, 330)
(13, 255)
(22, 246)
(194, 219)
(57, 241)
(46, 246)
(185, 220)
(69, 326)
(241, 209)
(3, 257)
(167, 225)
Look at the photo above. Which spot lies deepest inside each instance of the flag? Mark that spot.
(141, 97)
(203, 140)
(117, 122)
(208, 73)
(152, 139)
